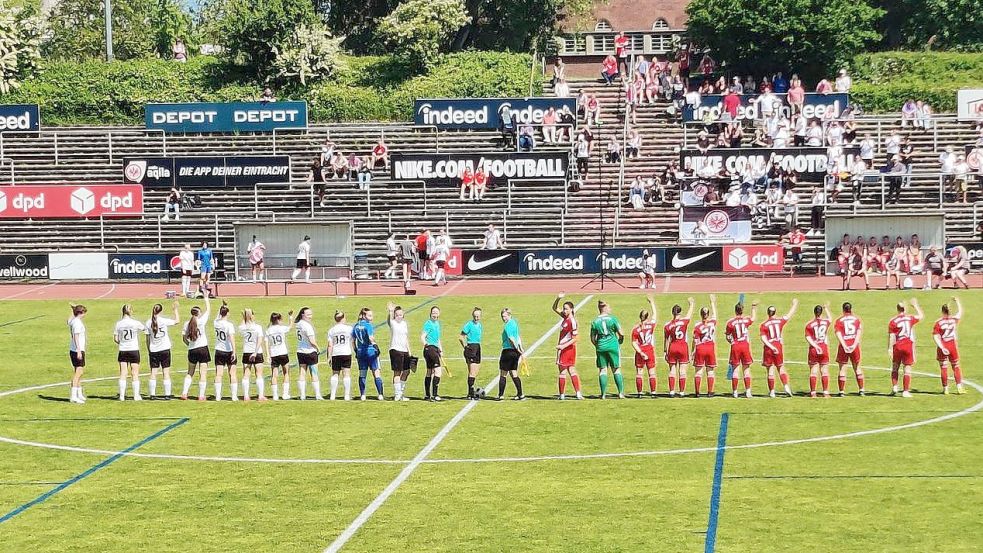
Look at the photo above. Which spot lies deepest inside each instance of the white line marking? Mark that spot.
(111, 290)
(367, 513)
(25, 292)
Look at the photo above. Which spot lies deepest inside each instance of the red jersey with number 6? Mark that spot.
(677, 350)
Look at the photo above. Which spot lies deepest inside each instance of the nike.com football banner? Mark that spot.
(815, 106)
(227, 117)
(810, 163)
(70, 202)
(485, 113)
(725, 224)
(446, 169)
(206, 172)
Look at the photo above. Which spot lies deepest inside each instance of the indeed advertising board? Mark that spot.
(485, 113)
(226, 117)
(138, 265)
(586, 261)
(20, 118)
(815, 106)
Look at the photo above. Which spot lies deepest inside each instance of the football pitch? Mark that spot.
(874, 473)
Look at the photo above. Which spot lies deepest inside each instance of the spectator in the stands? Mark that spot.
(849, 127)
(923, 117)
(364, 173)
(481, 182)
(705, 88)
(908, 112)
(609, 70)
(582, 98)
(317, 180)
(796, 96)
(612, 153)
(354, 164)
(747, 87)
(707, 66)
(380, 152)
(798, 130)
(421, 253)
(790, 201)
(732, 103)
(907, 155)
(773, 200)
(817, 201)
(961, 171)
(633, 96)
(592, 110)
(867, 147)
(892, 145)
(780, 84)
(173, 203)
(795, 239)
(642, 68)
(764, 84)
(761, 139)
(559, 71)
(703, 143)
(657, 192)
(467, 184)
(722, 140)
(561, 89)
(634, 144)
(493, 239)
(506, 127)
(621, 51)
(339, 165)
(527, 138)
(636, 195)
(567, 122)
(768, 103)
(652, 88)
(735, 83)
(834, 134)
(857, 173)
(735, 134)
(326, 150)
(814, 134)
(682, 63)
(947, 167)
(549, 126)
(782, 136)
(843, 82)
(824, 87)
(895, 171)
(180, 51)
(693, 99)
(267, 96)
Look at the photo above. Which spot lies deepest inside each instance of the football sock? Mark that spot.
(426, 385)
(136, 387)
(841, 383)
(260, 386)
(334, 385)
(825, 381)
(561, 383)
(957, 374)
(575, 379)
(275, 387)
(784, 378)
(285, 392)
(347, 382)
(619, 381)
(235, 389)
(518, 385)
(317, 388)
(603, 382)
(122, 387)
(711, 380)
(153, 386)
(218, 391)
(812, 383)
(378, 384)
(436, 384)
(638, 383)
(734, 381)
(201, 387)
(653, 384)
(244, 384)
(501, 385)
(907, 382)
(747, 382)
(361, 383)
(186, 386)
(302, 384)
(894, 378)
(471, 380)
(672, 383)
(698, 380)
(945, 376)
(682, 384)
(771, 382)
(167, 387)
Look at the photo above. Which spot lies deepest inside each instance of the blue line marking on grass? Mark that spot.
(718, 473)
(21, 320)
(96, 468)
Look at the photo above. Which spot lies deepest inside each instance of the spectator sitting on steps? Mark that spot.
(493, 239)
(549, 126)
(527, 139)
(634, 144)
(592, 110)
(467, 184)
(364, 174)
(636, 195)
(480, 183)
(609, 70)
(173, 204)
(380, 152)
(339, 165)
(567, 122)
(561, 89)
(613, 152)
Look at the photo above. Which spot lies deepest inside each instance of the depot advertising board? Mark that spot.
(485, 113)
(70, 202)
(206, 172)
(226, 117)
(500, 167)
(23, 267)
(815, 106)
(753, 259)
(20, 118)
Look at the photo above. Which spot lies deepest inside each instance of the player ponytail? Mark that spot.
(192, 332)
(704, 313)
(739, 309)
(945, 309)
(643, 315)
(127, 310)
(247, 315)
(847, 307)
(77, 309)
(362, 312)
(300, 314)
(772, 310)
(818, 310)
(570, 305)
(676, 310)
(154, 327)
(275, 318)
(600, 306)
(339, 316)
(224, 310)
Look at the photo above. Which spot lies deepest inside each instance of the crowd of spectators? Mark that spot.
(898, 260)
(333, 164)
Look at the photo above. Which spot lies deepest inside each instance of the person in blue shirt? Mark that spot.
(432, 354)
(470, 338)
(366, 352)
(206, 267)
(508, 363)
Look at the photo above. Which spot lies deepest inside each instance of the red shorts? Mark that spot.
(819, 358)
(904, 354)
(740, 354)
(645, 363)
(770, 358)
(705, 356)
(678, 353)
(843, 357)
(953, 356)
(567, 358)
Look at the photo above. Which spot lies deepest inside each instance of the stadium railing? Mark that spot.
(88, 134)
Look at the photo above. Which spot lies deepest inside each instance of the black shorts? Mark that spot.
(279, 360)
(391, 258)
(224, 358)
(160, 359)
(128, 357)
(440, 263)
(339, 362)
(78, 361)
(252, 358)
(199, 355)
(399, 360)
(509, 361)
(307, 358)
(423, 255)
(186, 273)
(472, 354)
(256, 265)
(432, 356)
(302, 264)
(936, 272)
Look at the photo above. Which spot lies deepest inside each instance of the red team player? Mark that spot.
(705, 347)
(817, 335)
(773, 353)
(566, 347)
(676, 349)
(849, 330)
(947, 351)
(740, 346)
(643, 342)
(901, 345)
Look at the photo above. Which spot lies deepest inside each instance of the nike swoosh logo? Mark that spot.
(679, 263)
(476, 265)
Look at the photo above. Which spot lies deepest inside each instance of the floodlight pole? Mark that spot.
(109, 30)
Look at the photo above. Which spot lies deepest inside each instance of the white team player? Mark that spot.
(127, 336)
(196, 339)
(340, 351)
(76, 351)
(276, 346)
(252, 355)
(187, 259)
(440, 255)
(307, 353)
(225, 353)
(303, 260)
(159, 347)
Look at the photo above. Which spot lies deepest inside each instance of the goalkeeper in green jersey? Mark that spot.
(606, 335)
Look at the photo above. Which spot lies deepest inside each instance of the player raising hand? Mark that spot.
(643, 342)
(773, 356)
(566, 347)
(901, 345)
(947, 351)
(705, 346)
(740, 346)
(817, 335)
(676, 349)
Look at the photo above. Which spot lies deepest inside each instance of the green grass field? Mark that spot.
(621, 475)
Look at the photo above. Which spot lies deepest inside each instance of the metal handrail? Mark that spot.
(382, 130)
(109, 132)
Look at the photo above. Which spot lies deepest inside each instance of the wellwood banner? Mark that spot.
(23, 267)
(499, 166)
(714, 224)
(815, 106)
(20, 118)
(206, 172)
(485, 113)
(226, 117)
(810, 163)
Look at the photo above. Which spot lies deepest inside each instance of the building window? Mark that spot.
(603, 44)
(603, 25)
(659, 24)
(574, 44)
(636, 43)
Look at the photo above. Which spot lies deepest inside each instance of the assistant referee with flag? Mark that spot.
(508, 363)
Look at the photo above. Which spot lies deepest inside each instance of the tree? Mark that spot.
(516, 25)
(141, 28)
(248, 29)
(419, 30)
(308, 54)
(811, 37)
(20, 46)
(950, 24)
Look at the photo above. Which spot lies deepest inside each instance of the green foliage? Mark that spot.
(248, 30)
(141, 28)
(20, 45)
(418, 30)
(309, 54)
(811, 37)
(933, 24)
(885, 80)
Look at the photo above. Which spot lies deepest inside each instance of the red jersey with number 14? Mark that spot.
(737, 330)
